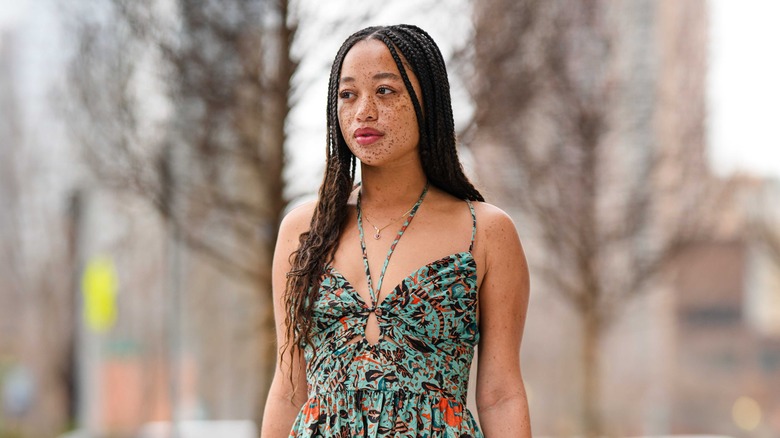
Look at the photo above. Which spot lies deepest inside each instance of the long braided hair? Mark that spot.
(438, 156)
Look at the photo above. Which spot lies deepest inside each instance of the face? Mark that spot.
(375, 110)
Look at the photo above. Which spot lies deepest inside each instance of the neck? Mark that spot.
(388, 190)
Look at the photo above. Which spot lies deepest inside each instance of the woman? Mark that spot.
(382, 290)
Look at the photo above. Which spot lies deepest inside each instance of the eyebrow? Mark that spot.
(383, 75)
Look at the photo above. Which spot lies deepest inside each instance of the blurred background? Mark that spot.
(149, 148)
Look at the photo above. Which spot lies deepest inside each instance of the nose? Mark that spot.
(366, 109)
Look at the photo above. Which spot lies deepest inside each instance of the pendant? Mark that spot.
(377, 236)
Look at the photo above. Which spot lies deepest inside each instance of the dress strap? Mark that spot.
(473, 224)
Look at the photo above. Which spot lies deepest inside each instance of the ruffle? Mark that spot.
(362, 413)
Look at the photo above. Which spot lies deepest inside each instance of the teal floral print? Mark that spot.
(413, 382)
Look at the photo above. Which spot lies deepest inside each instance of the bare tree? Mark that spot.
(184, 104)
(600, 138)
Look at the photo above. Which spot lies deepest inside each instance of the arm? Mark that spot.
(503, 300)
(285, 399)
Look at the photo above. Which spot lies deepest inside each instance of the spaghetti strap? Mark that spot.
(473, 224)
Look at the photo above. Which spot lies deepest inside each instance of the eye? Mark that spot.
(384, 90)
(346, 94)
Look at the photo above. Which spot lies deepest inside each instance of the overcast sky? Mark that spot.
(744, 89)
(744, 86)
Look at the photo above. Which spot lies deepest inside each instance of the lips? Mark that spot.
(366, 136)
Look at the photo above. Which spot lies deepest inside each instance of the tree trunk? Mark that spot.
(591, 375)
(275, 199)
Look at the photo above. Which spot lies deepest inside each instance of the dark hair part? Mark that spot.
(438, 155)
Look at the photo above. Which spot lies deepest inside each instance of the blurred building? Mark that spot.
(727, 344)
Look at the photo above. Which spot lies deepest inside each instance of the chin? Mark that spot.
(371, 161)
(367, 158)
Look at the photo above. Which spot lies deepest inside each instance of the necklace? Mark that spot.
(378, 230)
(374, 293)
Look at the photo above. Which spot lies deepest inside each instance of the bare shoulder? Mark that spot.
(498, 242)
(297, 221)
(294, 223)
(494, 222)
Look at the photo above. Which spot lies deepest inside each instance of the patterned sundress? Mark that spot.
(413, 381)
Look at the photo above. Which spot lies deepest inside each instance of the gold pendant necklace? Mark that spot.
(378, 231)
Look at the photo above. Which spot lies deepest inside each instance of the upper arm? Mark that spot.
(503, 302)
(293, 225)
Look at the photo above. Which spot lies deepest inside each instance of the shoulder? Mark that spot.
(297, 221)
(493, 222)
(497, 239)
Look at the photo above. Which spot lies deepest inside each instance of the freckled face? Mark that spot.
(375, 110)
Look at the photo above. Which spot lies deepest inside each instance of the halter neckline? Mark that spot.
(374, 295)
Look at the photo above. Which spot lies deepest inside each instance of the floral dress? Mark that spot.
(413, 381)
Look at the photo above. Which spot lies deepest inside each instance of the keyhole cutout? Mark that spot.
(373, 333)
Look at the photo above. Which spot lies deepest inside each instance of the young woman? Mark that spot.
(383, 289)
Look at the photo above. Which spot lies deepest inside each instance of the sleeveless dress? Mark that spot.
(413, 381)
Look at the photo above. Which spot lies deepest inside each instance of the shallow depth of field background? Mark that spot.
(149, 149)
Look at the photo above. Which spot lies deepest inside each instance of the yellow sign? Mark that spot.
(99, 286)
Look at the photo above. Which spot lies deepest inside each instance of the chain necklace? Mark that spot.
(375, 293)
(378, 230)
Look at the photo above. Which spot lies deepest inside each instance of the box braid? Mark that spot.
(438, 155)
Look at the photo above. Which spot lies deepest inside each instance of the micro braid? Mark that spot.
(411, 48)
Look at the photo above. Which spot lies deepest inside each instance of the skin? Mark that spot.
(371, 94)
